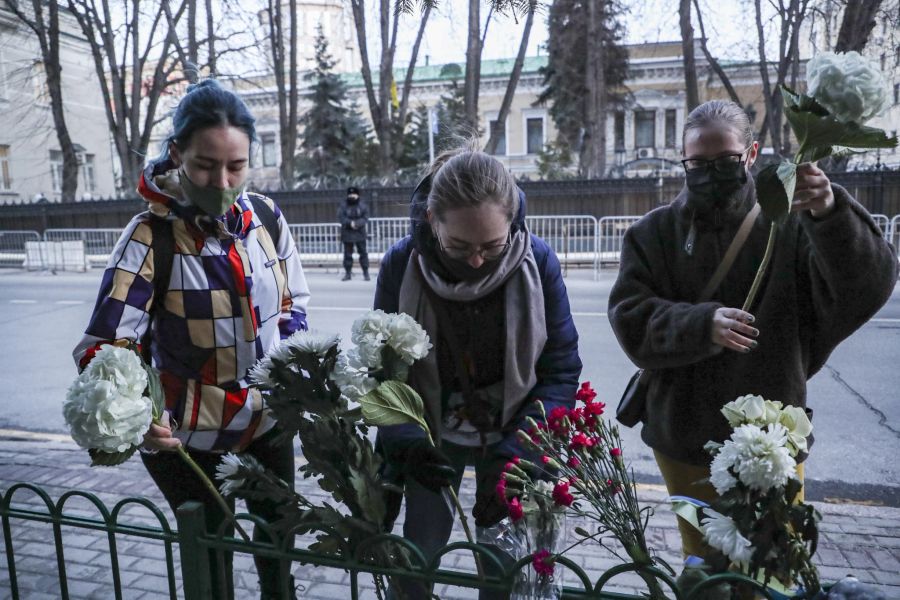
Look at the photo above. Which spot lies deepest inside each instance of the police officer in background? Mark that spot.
(354, 215)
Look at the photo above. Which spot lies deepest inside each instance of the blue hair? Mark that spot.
(207, 104)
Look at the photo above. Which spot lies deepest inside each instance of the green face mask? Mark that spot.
(213, 201)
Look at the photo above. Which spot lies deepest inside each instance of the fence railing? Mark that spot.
(195, 544)
(13, 247)
(894, 233)
(611, 233)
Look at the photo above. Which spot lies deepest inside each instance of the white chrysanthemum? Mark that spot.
(798, 426)
(312, 342)
(408, 338)
(722, 533)
(720, 476)
(105, 408)
(261, 373)
(352, 377)
(229, 470)
(746, 409)
(851, 87)
(761, 456)
(371, 329)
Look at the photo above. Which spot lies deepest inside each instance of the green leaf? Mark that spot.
(775, 190)
(99, 458)
(393, 403)
(816, 133)
(155, 391)
(582, 532)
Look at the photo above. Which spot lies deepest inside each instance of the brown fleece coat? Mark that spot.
(827, 278)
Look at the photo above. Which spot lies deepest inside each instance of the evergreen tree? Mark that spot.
(564, 76)
(452, 122)
(334, 133)
(414, 152)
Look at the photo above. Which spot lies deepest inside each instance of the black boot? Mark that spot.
(366, 274)
(346, 276)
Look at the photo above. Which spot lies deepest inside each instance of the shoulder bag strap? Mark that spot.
(163, 245)
(728, 260)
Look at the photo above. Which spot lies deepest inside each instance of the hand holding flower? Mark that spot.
(813, 191)
(159, 436)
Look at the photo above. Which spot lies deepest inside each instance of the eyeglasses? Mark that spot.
(722, 164)
(487, 253)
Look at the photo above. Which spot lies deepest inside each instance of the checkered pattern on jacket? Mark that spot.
(230, 298)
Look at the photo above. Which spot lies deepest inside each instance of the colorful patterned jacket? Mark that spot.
(232, 294)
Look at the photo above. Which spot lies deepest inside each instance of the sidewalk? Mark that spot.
(862, 540)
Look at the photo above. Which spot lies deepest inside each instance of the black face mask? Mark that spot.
(710, 188)
(352, 199)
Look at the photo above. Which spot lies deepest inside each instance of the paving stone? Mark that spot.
(830, 557)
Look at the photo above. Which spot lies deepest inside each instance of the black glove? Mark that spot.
(428, 465)
(393, 498)
(489, 508)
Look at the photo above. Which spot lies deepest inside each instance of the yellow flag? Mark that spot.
(395, 101)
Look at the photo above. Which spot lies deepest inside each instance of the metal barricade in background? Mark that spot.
(611, 234)
(13, 248)
(383, 233)
(319, 244)
(98, 243)
(884, 223)
(894, 234)
(572, 237)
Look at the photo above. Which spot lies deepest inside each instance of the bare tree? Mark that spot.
(790, 19)
(498, 127)
(284, 64)
(473, 64)
(385, 118)
(211, 39)
(857, 25)
(687, 54)
(131, 82)
(46, 28)
(713, 62)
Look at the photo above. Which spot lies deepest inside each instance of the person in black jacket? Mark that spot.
(354, 216)
(831, 271)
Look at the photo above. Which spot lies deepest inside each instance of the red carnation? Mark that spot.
(581, 441)
(585, 393)
(561, 494)
(543, 563)
(574, 462)
(616, 452)
(501, 489)
(515, 510)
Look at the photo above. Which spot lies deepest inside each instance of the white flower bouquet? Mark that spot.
(111, 405)
(757, 524)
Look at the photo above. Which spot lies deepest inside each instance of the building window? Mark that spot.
(535, 135)
(39, 81)
(670, 129)
(56, 169)
(268, 151)
(645, 129)
(500, 150)
(619, 131)
(87, 173)
(5, 179)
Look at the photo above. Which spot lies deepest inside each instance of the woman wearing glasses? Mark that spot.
(492, 299)
(830, 272)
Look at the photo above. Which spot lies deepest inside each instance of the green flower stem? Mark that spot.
(757, 281)
(464, 521)
(210, 486)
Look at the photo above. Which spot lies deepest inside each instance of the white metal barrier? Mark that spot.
(611, 233)
(12, 247)
(894, 234)
(884, 223)
(572, 237)
(319, 244)
(98, 243)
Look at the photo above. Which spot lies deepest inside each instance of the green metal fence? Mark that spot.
(196, 545)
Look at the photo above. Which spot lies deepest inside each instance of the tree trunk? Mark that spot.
(385, 79)
(716, 67)
(211, 39)
(857, 25)
(473, 65)
(499, 127)
(407, 81)
(193, 52)
(594, 150)
(289, 93)
(773, 113)
(687, 54)
(47, 33)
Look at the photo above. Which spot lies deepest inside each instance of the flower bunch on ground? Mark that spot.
(579, 468)
(756, 522)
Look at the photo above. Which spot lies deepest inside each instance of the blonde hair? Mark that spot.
(466, 177)
(722, 113)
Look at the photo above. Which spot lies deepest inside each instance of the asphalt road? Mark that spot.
(855, 397)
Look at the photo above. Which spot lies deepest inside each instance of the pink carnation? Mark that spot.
(616, 452)
(574, 462)
(515, 510)
(561, 494)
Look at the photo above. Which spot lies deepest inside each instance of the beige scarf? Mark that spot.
(526, 327)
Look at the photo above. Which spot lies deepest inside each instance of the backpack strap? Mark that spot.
(266, 216)
(163, 246)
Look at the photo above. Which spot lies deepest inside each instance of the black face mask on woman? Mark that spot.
(462, 270)
(711, 188)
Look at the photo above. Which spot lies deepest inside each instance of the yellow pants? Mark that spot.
(681, 480)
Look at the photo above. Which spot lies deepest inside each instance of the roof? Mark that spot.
(501, 67)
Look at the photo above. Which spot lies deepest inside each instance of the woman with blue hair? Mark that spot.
(207, 280)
